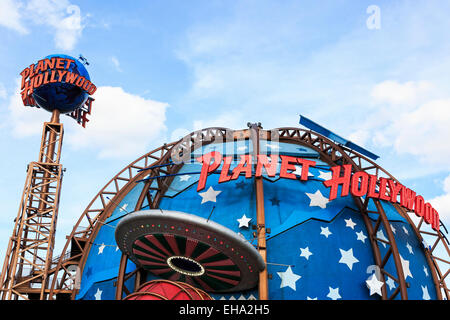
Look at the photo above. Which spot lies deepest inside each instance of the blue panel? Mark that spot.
(314, 274)
(415, 267)
(389, 209)
(289, 204)
(105, 290)
(103, 260)
(128, 203)
(333, 136)
(294, 150)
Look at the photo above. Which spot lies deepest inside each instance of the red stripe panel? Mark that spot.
(141, 253)
(172, 243)
(231, 273)
(226, 262)
(149, 263)
(155, 241)
(230, 281)
(191, 244)
(139, 243)
(208, 253)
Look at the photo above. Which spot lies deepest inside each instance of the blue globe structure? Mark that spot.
(151, 220)
(65, 97)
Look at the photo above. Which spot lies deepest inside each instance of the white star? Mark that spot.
(98, 294)
(381, 236)
(361, 236)
(124, 207)
(243, 148)
(101, 248)
(348, 258)
(324, 175)
(374, 285)
(317, 199)
(405, 230)
(409, 248)
(325, 231)
(308, 298)
(209, 195)
(333, 294)
(405, 266)
(426, 295)
(185, 177)
(298, 170)
(305, 253)
(288, 278)
(243, 222)
(390, 283)
(425, 270)
(392, 228)
(349, 223)
(117, 248)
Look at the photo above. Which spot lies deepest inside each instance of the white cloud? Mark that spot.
(442, 203)
(360, 136)
(116, 63)
(412, 118)
(68, 30)
(3, 94)
(25, 121)
(424, 132)
(122, 124)
(62, 17)
(10, 16)
(395, 93)
(229, 120)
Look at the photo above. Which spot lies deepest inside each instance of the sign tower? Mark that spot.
(58, 84)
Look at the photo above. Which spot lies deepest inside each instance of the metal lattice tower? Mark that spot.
(28, 261)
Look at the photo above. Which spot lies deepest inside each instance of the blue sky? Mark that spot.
(166, 68)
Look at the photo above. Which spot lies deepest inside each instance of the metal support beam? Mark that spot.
(28, 259)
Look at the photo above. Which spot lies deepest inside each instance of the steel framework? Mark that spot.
(79, 242)
(26, 270)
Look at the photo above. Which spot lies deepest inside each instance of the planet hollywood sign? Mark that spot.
(358, 184)
(51, 70)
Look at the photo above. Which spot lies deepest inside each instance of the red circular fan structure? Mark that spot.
(183, 247)
(168, 290)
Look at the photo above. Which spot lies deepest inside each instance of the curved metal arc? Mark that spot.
(87, 232)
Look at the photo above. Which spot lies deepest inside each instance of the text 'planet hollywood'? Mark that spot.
(358, 184)
(51, 70)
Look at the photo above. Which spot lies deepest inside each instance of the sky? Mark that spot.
(375, 72)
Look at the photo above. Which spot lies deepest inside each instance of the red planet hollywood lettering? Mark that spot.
(357, 184)
(362, 184)
(51, 71)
